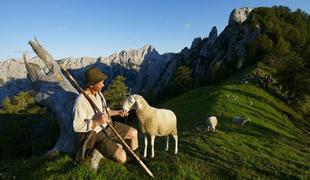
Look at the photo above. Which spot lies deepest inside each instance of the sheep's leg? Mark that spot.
(176, 144)
(167, 144)
(152, 144)
(145, 146)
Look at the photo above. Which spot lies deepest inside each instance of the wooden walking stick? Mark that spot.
(80, 90)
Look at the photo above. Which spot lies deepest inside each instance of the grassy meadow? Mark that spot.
(270, 146)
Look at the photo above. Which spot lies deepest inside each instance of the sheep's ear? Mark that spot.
(131, 99)
(128, 93)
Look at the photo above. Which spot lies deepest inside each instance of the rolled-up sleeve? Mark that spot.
(80, 122)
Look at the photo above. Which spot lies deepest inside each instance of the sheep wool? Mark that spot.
(239, 121)
(211, 123)
(153, 121)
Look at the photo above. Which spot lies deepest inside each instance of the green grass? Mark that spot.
(270, 146)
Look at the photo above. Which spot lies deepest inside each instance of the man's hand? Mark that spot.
(101, 119)
(123, 113)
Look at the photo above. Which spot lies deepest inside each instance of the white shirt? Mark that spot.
(83, 113)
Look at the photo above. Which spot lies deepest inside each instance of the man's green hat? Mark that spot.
(94, 76)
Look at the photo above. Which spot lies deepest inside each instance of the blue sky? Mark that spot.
(75, 28)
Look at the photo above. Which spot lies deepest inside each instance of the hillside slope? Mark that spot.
(269, 146)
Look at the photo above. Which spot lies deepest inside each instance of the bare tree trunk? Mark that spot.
(54, 91)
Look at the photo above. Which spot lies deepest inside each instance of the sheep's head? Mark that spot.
(245, 119)
(131, 103)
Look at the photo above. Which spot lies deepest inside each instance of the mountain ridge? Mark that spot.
(127, 62)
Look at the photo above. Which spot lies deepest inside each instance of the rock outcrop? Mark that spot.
(239, 15)
(13, 77)
(209, 57)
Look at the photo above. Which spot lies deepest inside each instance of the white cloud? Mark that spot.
(187, 26)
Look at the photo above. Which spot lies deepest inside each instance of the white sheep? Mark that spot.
(235, 98)
(211, 123)
(239, 121)
(153, 121)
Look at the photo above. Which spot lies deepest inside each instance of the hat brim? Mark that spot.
(100, 77)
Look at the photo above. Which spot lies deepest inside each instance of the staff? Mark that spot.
(80, 90)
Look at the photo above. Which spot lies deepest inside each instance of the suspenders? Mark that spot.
(103, 102)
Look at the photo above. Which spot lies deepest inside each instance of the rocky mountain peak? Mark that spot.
(195, 42)
(129, 57)
(148, 48)
(212, 35)
(239, 15)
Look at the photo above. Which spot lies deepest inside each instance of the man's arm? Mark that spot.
(81, 123)
(118, 113)
(113, 112)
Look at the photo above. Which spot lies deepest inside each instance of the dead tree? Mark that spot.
(54, 91)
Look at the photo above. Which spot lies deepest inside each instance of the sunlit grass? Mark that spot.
(269, 146)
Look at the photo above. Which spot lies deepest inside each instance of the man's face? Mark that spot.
(98, 87)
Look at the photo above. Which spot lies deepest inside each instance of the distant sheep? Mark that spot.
(153, 121)
(239, 121)
(235, 98)
(211, 123)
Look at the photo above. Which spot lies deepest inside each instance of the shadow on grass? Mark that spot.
(34, 134)
(21, 168)
(218, 165)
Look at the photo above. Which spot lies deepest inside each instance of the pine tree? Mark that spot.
(287, 34)
(116, 92)
(181, 82)
(7, 106)
(21, 103)
(292, 74)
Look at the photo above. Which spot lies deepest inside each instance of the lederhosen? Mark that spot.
(104, 141)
